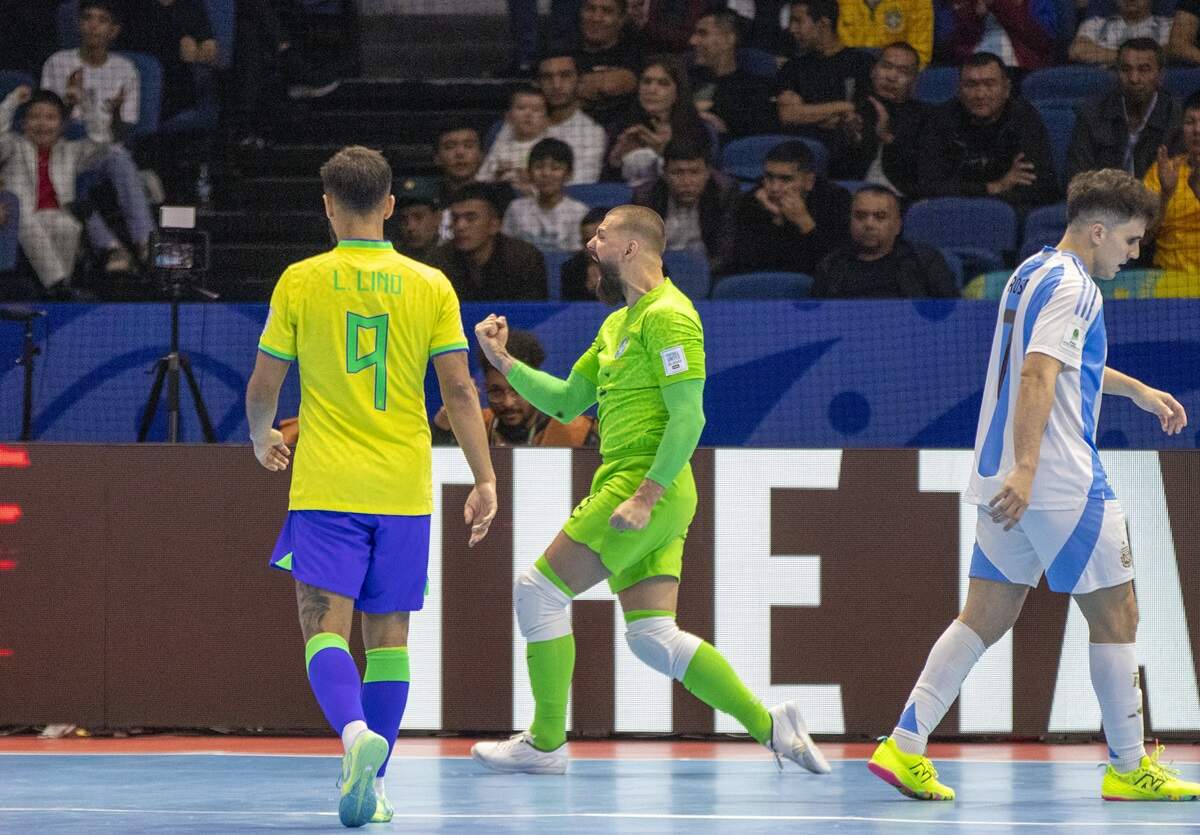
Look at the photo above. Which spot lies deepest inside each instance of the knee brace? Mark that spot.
(541, 607)
(662, 645)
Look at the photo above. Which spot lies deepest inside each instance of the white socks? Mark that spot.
(351, 732)
(952, 657)
(1115, 679)
(380, 789)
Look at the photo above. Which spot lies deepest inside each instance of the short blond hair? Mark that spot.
(642, 223)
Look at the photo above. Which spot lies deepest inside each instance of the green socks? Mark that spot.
(551, 665)
(711, 680)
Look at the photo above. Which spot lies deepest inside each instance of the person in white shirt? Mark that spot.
(507, 161)
(549, 220)
(558, 78)
(1044, 500)
(1099, 38)
(110, 82)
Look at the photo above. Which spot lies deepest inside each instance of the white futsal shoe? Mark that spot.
(516, 755)
(789, 738)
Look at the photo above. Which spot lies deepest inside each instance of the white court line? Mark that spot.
(619, 816)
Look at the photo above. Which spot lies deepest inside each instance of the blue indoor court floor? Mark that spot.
(222, 785)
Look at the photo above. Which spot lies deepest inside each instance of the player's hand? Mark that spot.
(1169, 411)
(189, 50)
(74, 91)
(1013, 499)
(633, 514)
(21, 93)
(272, 453)
(883, 122)
(479, 511)
(1020, 173)
(492, 334)
(1168, 172)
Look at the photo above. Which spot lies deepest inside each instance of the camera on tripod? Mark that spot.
(179, 252)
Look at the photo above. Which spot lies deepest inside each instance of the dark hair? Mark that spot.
(358, 178)
(622, 6)
(820, 10)
(983, 59)
(1110, 196)
(794, 151)
(556, 51)
(525, 90)
(1192, 102)
(477, 191)
(46, 97)
(552, 149)
(595, 214)
(727, 20)
(876, 188)
(104, 5)
(685, 121)
(684, 148)
(1144, 45)
(456, 127)
(523, 346)
(904, 46)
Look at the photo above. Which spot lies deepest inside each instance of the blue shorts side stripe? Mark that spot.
(984, 569)
(1064, 573)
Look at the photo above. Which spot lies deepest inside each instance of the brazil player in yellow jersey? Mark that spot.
(363, 322)
(646, 370)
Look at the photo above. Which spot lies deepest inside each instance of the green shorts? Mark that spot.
(632, 556)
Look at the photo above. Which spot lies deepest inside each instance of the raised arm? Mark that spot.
(466, 421)
(563, 400)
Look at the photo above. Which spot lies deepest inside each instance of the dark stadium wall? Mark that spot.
(134, 592)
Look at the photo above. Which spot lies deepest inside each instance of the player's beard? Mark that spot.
(610, 290)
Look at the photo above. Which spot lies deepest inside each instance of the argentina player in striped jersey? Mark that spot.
(1044, 500)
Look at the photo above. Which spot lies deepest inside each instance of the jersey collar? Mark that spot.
(362, 243)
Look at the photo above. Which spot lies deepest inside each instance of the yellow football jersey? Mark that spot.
(363, 322)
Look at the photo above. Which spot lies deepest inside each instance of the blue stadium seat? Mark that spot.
(937, 84)
(150, 86)
(601, 195)
(1060, 124)
(1183, 81)
(767, 285)
(554, 263)
(743, 158)
(757, 62)
(1068, 82)
(959, 223)
(1044, 226)
(8, 232)
(688, 271)
(955, 263)
(851, 185)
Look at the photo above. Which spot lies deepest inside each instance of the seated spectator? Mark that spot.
(882, 133)
(507, 161)
(986, 142)
(1021, 32)
(816, 90)
(1176, 179)
(109, 81)
(509, 418)
(418, 221)
(481, 263)
(458, 155)
(558, 78)
(608, 56)
(549, 219)
(581, 274)
(792, 220)
(733, 101)
(663, 110)
(1099, 38)
(1125, 127)
(878, 263)
(41, 168)
(1183, 46)
(695, 201)
(872, 26)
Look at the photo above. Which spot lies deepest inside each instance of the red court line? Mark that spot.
(589, 749)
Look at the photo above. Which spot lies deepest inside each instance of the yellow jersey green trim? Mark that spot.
(362, 243)
(279, 355)
(445, 349)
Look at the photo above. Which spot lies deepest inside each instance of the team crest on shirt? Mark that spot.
(621, 348)
(1126, 555)
(893, 20)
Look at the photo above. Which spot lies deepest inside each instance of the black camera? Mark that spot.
(178, 248)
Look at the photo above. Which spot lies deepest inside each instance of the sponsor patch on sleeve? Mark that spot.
(1074, 334)
(674, 361)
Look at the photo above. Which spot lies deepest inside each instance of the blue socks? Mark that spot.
(334, 679)
(385, 693)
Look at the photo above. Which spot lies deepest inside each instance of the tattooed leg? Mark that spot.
(323, 611)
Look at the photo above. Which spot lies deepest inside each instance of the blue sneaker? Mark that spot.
(357, 805)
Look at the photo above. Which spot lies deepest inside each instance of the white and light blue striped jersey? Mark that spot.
(1051, 306)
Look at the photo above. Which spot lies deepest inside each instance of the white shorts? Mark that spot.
(1081, 550)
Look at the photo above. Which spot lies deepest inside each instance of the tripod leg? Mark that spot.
(160, 374)
(206, 428)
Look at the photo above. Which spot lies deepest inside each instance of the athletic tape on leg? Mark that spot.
(541, 607)
(662, 645)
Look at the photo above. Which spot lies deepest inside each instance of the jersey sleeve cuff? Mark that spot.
(1065, 357)
(279, 355)
(445, 349)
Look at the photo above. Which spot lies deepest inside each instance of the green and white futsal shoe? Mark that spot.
(357, 804)
(383, 810)
(517, 755)
(790, 739)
